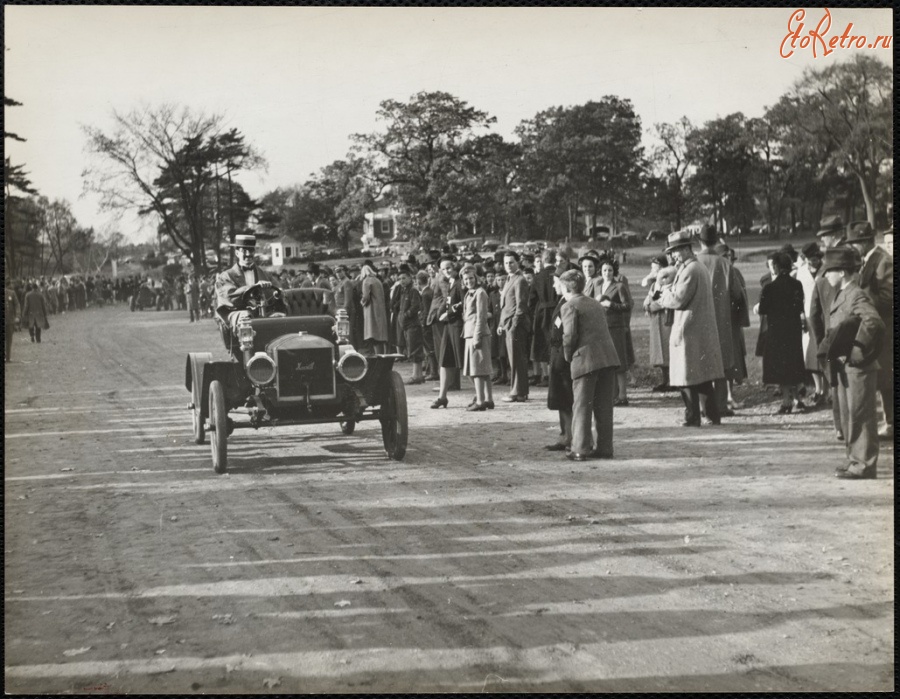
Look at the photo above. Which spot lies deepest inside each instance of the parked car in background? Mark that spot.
(656, 235)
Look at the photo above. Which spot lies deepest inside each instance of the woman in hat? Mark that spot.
(810, 261)
(450, 346)
(660, 319)
(618, 304)
(781, 303)
(477, 335)
(590, 267)
(560, 396)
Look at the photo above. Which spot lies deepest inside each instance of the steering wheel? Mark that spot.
(261, 301)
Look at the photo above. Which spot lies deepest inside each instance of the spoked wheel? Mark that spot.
(199, 429)
(394, 419)
(218, 421)
(348, 427)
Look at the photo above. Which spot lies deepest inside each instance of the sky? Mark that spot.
(298, 81)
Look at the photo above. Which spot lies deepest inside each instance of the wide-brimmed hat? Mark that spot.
(678, 239)
(859, 231)
(244, 240)
(832, 225)
(841, 258)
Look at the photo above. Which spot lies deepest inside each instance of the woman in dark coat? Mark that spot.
(559, 393)
(781, 303)
(616, 299)
(450, 349)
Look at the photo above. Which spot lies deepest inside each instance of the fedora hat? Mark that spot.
(841, 258)
(678, 239)
(244, 240)
(830, 225)
(858, 231)
(708, 234)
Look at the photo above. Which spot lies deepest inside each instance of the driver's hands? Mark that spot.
(264, 285)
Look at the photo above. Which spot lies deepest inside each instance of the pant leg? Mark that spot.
(517, 348)
(37, 333)
(603, 410)
(861, 432)
(691, 397)
(720, 387)
(713, 411)
(565, 424)
(582, 409)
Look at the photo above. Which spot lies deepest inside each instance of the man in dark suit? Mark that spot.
(236, 280)
(513, 326)
(876, 277)
(588, 347)
(542, 300)
(854, 368)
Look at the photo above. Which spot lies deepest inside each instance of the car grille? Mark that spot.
(298, 368)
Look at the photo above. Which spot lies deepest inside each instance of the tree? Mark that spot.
(22, 224)
(672, 162)
(420, 154)
(723, 170)
(847, 109)
(346, 195)
(163, 161)
(590, 156)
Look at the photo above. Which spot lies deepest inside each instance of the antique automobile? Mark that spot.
(294, 367)
(143, 298)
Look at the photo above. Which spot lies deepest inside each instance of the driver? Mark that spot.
(235, 281)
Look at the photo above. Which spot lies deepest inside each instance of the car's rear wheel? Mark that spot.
(218, 421)
(348, 427)
(394, 419)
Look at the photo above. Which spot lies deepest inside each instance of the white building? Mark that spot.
(283, 249)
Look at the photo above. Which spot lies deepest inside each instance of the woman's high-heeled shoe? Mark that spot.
(476, 408)
(489, 404)
(439, 403)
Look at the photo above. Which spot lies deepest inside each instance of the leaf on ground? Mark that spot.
(224, 618)
(76, 651)
(272, 682)
(163, 620)
(343, 603)
(67, 468)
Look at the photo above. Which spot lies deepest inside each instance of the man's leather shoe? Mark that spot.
(555, 447)
(597, 455)
(515, 399)
(713, 423)
(691, 423)
(886, 433)
(574, 456)
(728, 413)
(856, 475)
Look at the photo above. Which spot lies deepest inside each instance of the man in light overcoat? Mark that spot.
(695, 353)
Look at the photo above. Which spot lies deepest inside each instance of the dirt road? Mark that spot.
(725, 559)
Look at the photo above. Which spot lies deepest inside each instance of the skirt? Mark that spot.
(477, 359)
(622, 341)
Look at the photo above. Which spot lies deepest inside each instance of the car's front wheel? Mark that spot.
(394, 419)
(218, 423)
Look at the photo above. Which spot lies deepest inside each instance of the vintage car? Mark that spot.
(292, 369)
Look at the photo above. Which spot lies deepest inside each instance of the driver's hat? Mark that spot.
(244, 240)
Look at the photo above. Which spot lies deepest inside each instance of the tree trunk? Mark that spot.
(868, 193)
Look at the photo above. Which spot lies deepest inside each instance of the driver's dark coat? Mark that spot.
(232, 280)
